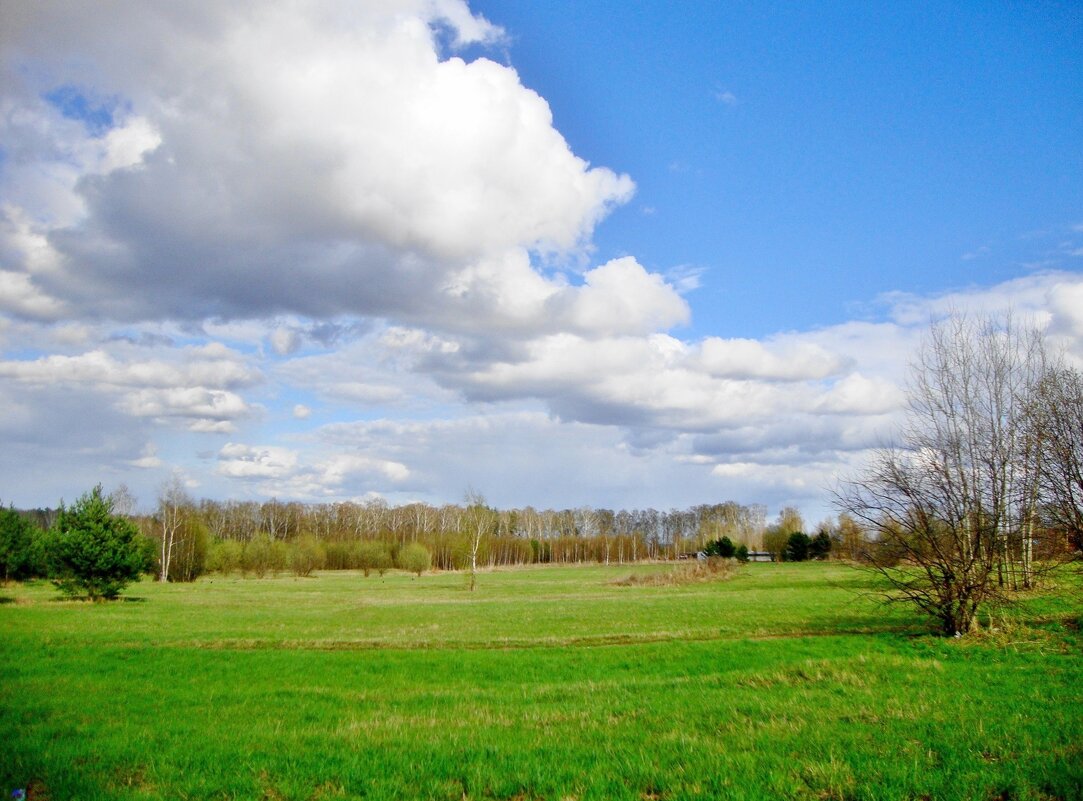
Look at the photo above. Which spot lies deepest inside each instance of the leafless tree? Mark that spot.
(173, 504)
(478, 519)
(1055, 427)
(123, 501)
(953, 506)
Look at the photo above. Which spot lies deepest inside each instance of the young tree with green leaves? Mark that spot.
(415, 558)
(373, 555)
(93, 552)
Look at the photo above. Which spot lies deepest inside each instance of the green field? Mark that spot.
(787, 681)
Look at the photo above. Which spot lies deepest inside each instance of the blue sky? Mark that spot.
(563, 254)
(809, 157)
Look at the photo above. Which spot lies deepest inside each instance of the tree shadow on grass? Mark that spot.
(6, 599)
(56, 599)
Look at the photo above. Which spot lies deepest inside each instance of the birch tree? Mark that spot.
(478, 519)
(174, 504)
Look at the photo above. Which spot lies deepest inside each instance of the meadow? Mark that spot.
(785, 681)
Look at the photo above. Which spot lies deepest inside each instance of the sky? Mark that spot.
(559, 254)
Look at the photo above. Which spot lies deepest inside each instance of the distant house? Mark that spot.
(761, 556)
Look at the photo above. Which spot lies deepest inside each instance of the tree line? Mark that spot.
(185, 538)
(208, 534)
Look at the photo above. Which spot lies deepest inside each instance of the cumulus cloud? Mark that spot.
(747, 358)
(857, 394)
(193, 385)
(319, 158)
(621, 297)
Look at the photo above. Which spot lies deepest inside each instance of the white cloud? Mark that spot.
(194, 385)
(621, 297)
(978, 253)
(288, 472)
(856, 394)
(148, 459)
(212, 365)
(19, 295)
(393, 168)
(787, 361)
(238, 460)
(210, 410)
(285, 341)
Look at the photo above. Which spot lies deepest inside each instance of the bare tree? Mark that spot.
(123, 501)
(478, 519)
(1055, 427)
(173, 504)
(952, 506)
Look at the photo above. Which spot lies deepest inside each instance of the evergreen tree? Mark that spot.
(93, 552)
(19, 554)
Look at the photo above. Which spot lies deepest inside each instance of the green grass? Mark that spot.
(787, 681)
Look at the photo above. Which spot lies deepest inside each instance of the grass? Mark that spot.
(785, 681)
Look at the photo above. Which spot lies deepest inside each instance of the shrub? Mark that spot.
(306, 555)
(260, 556)
(742, 553)
(91, 551)
(225, 556)
(342, 555)
(415, 558)
(373, 555)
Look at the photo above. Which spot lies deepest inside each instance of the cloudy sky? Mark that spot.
(559, 253)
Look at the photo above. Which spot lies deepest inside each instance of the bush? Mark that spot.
(742, 553)
(225, 556)
(342, 555)
(21, 556)
(415, 558)
(262, 555)
(90, 551)
(775, 541)
(373, 555)
(306, 555)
